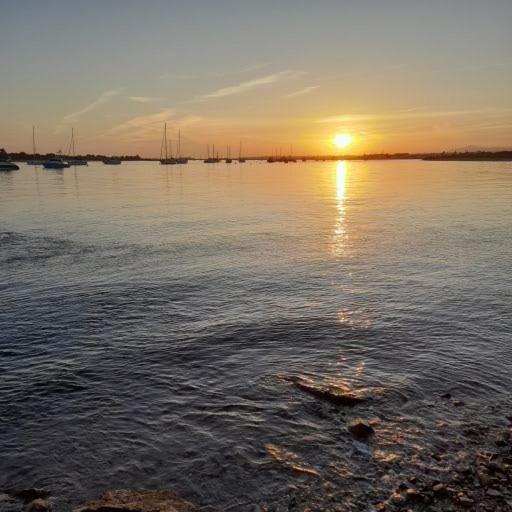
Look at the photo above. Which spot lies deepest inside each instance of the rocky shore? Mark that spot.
(464, 464)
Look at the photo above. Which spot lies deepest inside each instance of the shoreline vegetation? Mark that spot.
(462, 156)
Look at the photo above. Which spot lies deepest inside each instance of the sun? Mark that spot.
(342, 140)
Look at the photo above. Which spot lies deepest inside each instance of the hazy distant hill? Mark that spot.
(473, 148)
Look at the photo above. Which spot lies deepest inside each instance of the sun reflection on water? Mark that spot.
(339, 241)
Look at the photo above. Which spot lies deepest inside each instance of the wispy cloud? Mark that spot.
(143, 99)
(143, 128)
(103, 98)
(301, 92)
(249, 85)
(402, 114)
(142, 122)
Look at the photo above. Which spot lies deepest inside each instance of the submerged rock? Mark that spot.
(38, 505)
(329, 393)
(28, 495)
(360, 429)
(125, 500)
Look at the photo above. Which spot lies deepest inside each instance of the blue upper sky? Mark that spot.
(396, 74)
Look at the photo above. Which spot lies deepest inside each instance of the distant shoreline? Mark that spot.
(470, 156)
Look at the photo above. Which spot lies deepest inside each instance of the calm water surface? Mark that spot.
(150, 313)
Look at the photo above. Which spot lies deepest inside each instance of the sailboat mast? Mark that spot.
(240, 151)
(179, 144)
(165, 139)
(72, 142)
(33, 140)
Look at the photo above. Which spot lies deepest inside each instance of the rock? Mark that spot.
(494, 493)
(413, 495)
(28, 495)
(439, 489)
(38, 505)
(360, 429)
(380, 507)
(329, 394)
(501, 441)
(125, 500)
(446, 396)
(396, 498)
(483, 478)
(458, 403)
(464, 500)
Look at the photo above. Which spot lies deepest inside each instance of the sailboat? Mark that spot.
(208, 160)
(34, 161)
(240, 159)
(73, 160)
(180, 159)
(163, 149)
(228, 155)
(214, 159)
(290, 158)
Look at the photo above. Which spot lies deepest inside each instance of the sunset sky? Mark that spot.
(397, 75)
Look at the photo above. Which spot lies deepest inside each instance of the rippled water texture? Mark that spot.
(151, 318)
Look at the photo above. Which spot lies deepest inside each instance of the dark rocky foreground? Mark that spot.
(461, 463)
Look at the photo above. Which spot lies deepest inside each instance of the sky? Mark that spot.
(280, 76)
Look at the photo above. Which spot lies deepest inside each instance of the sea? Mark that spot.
(154, 319)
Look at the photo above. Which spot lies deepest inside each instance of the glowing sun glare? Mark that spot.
(342, 140)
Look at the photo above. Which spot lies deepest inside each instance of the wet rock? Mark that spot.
(414, 496)
(464, 500)
(28, 495)
(483, 478)
(8, 503)
(360, 429)
(396, 499)
(494, 493)
(329, 394)
(38, 505)
(439, 489)
(124, 500)
(501, 441)
(458, 403)
(446, 396)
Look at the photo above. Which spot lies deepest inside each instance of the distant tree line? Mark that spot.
(22, 155)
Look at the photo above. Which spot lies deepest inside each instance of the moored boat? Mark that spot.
(240, 159)
(34, 161)
(112, 161)
(165, 159)
(78, 161)
(55, 163)
(73, 159)
(7, 165)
